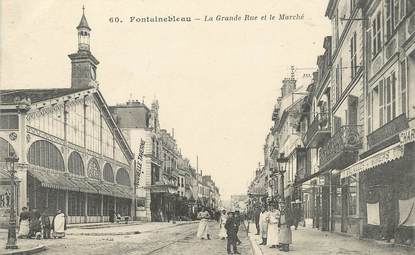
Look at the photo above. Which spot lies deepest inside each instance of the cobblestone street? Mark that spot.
(154, 238)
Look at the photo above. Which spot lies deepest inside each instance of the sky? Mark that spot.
(216, 82)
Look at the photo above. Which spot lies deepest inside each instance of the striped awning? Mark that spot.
(53, 180)
(384, 156)
(101, 187)
(83, 185)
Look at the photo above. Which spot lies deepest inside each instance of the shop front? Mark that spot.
(163, 202)
(388, 190)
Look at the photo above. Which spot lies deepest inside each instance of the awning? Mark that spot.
(123, 191)
(83, 185)
(53, 180)
(384, 156)
(101, 187)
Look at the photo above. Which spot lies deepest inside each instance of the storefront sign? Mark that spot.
(407, 136)
(139, 162)
(391, 153)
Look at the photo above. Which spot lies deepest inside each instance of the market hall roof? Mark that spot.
(36, 95)
(36, 98)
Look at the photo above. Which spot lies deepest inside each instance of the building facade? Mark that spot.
(72, 155)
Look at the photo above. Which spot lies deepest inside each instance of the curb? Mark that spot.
(34, 250)
(105, 234)
(255, 248)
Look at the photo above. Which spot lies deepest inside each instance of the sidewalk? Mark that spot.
(311, 241)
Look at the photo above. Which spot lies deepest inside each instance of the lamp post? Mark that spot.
(11, 236)
(281, 168)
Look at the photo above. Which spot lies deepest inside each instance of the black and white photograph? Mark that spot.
(158, 127)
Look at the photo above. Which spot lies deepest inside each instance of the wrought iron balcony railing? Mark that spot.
(342, 148)
(318, 131)
(382, 136)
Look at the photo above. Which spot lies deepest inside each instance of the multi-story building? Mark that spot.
(140, 126)
(72, 155)
(385, 170)
(366, 166)
(315, 123)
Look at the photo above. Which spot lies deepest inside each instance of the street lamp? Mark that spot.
(282, 168)
(11, 236)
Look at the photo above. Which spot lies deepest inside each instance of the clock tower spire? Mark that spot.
(84, 64)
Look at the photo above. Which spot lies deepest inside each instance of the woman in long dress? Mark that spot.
(273, 220)
(222, 222)
(202, 231)
(59, 224)
(24, 223)
(263, 225)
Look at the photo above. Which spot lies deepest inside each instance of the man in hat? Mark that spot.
(231, 227)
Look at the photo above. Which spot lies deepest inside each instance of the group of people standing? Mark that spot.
(229, 223)
(274, 223)
(33, 224)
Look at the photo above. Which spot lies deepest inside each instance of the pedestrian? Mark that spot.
(112, 216)
(59, 224)
(296, 215)
(238, 220)
(257, 212)
(46, 227)
(231, 231)
(202, 231)
(273, 220)
(35, 226)
(263, 224)
(285, 234)
(222, 222)
(24, 219)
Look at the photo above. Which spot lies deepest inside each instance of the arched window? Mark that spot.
(45, 154)
(75, 164)
(93, 170)
(6, 149)
(108, 173)
(123, 177)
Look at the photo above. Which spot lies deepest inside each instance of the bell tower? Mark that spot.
(84, 64)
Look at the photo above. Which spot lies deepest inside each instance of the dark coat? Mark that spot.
(231, 226)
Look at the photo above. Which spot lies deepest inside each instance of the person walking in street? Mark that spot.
(273, 220)
(202, 231)
(35, 225)
(59, 224)
(257, 212)
(285, 234)
(263, 224)
(238, 220)
(46, 227)
(222, 222)
(296, 215)
(24, 223)
(231, 231)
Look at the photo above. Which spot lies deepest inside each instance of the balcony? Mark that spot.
(342, 148)
(385, 135)
(318, 132)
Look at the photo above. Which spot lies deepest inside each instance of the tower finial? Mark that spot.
(83, 9)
